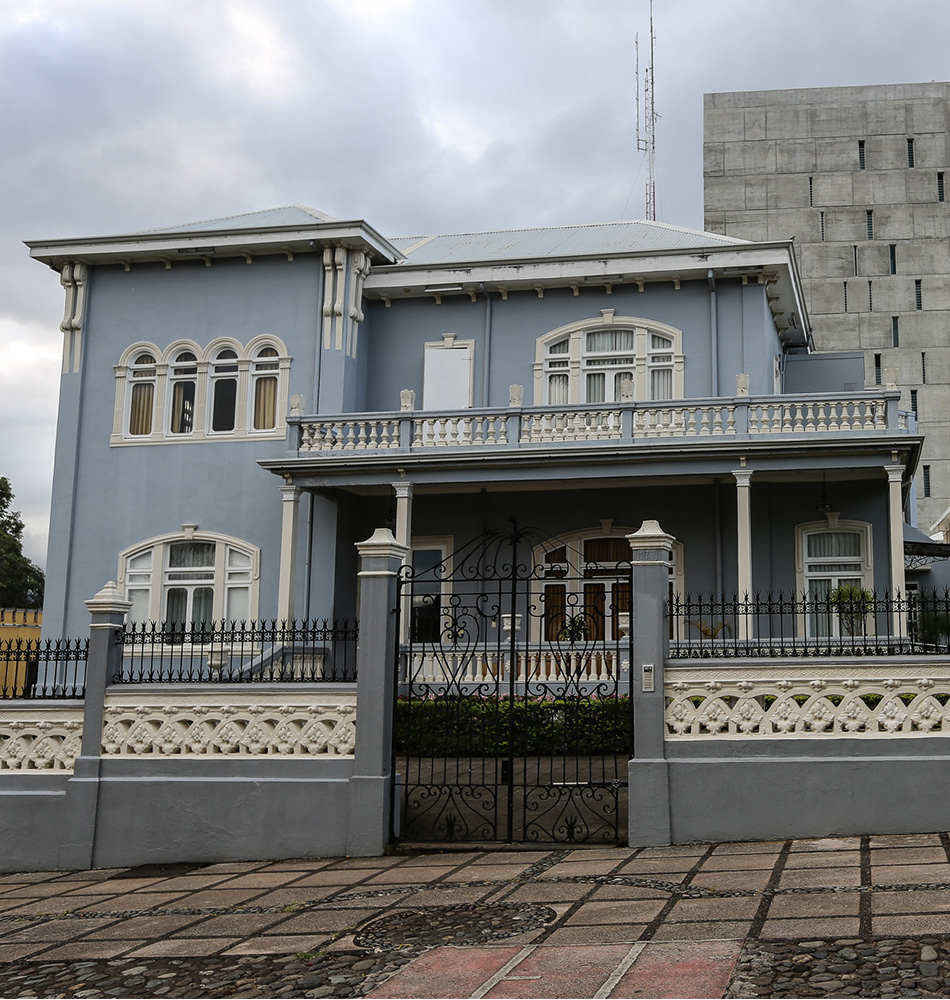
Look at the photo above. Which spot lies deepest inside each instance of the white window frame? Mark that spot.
(440, 543)
(863, 564)
(465, 349)
(575, 362)
(155, 579)
(163, 382)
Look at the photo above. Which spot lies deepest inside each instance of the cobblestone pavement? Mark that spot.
(843, 917)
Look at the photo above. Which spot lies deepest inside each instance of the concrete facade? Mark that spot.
(858, 177)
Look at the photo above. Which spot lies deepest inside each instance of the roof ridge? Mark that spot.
(575, 225)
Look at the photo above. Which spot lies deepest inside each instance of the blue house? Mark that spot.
(245, 398)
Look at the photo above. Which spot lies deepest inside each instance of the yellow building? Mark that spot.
(22, 626)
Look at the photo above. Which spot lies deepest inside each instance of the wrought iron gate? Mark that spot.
(514, 712)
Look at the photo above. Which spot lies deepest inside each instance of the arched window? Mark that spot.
(183, 380)
(831, 554)
(191, 578)
(609, 360)
(264, 376)
(143, 374)
(224, 386)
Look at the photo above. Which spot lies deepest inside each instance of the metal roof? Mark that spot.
(287, 215)
(639, 236)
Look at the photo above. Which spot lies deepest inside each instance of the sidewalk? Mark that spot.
(845, 917)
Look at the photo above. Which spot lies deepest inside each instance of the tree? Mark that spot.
(21, 583)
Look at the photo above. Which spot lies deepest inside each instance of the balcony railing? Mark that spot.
(749, 417)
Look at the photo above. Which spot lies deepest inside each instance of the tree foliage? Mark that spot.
(21, 583)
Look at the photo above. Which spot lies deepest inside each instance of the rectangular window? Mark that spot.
(821, 226)
(940, 187)
(910, 152)
(926, 478)
(845, 286)
(918, 295)
(861, 160)
(913, 401)
(140, 412)
(870, 298)
(877, 369)
(869, 221)
(223, 404)
(923, 367)
(892, 258)
(448, 375)
(811, 191)
(183, 407)
(895, 331)
(854, 259)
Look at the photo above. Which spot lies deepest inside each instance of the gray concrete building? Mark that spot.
(858, 177)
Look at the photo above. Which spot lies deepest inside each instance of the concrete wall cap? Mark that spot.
(650, 536)
(382, 543)
(109, 600)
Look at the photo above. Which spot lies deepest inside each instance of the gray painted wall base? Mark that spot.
(816, 794)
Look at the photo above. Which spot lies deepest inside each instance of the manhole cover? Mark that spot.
(472, 923)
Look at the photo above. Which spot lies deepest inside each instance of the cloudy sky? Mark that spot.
(418, 115)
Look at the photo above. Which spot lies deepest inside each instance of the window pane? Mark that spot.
(190, 554)
(183, 408)
(661, 383)
(265, 403)
(561, 347)
(225, 396)
(619, 380)
(239, 604)
(202, 606)
(139, 611)
(238, 559)
(140, 411)
(658, 343)
(825, 544)
(176, 606)
(606, 550)
(610, 340)
(557, 390)
(596, 385)
(555, 611)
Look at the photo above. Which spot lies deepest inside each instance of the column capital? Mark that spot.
(402, 489)
(895, 473)
(743, 476)
(290, 493)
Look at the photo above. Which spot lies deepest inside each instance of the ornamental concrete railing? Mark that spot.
(790, 700)
(742, 417)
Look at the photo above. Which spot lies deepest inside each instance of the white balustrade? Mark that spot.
(570, 425)
(349, 435)
(459, 431)
(684, 420)
(803, 700)
(817, 416)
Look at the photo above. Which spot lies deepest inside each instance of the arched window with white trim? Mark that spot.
(143, 376)
(223, 373)
(183, 386)
(191, 578)
(609, 360)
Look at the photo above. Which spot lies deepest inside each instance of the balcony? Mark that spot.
(742, 418)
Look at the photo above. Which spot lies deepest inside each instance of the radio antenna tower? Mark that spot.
(646, 143)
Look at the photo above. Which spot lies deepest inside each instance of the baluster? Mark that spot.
(780, 422)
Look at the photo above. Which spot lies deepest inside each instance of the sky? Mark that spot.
(419, 116)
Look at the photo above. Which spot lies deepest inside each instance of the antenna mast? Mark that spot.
(647, 142)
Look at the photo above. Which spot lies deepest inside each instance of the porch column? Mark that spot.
(744, 543)
(288, 552)
(895, 520)
(403, 492)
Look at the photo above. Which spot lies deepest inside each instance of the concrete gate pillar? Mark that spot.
(649, 791)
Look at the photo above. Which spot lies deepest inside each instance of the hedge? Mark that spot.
(478, 727)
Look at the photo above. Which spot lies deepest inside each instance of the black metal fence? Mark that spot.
(43, 668)
(847, 621)
(274, 652)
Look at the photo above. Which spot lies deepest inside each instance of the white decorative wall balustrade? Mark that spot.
(872, 699)
(232, 724)
(516, 427)
(39, 738)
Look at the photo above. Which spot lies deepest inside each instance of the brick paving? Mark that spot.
(742, 920)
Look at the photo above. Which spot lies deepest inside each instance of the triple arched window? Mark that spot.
(609, 360)
(186, 393)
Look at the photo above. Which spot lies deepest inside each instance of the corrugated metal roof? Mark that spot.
(638, 236)
(287, 215)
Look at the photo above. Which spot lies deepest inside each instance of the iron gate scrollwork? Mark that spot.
(514, 712)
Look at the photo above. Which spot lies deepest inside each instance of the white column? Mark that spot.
(288, 552)
(743, 543)
(403, 492)
(895, 521)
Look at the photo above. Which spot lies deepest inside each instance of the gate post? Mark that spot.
(649, 792)
(108, 609)
(370, 787)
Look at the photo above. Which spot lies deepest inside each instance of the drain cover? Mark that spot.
(471, 923)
